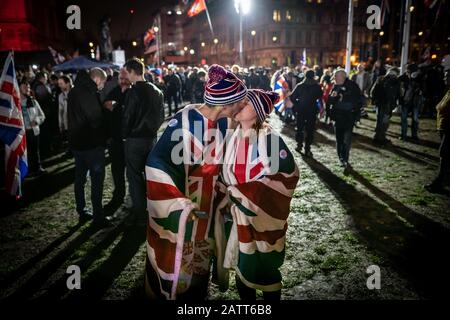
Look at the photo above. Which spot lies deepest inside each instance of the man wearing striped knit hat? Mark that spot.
(182, 172)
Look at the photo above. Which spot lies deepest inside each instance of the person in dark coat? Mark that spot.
(142, 117)
(345, 106)
(173, 86)
(304, 97)
(87, 140)
(114, 103)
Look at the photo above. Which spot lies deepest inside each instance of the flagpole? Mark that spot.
(405, 41)
(349, 37)
(209, 19)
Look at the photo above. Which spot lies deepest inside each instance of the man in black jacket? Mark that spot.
(305, 97)
(87, 141)
(142, 118)
(345, 102)
(114, 102)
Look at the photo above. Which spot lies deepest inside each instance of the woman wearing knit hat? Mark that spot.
(261, 175)
(180, 189)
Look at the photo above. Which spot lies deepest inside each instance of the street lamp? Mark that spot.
(203, 44)
(156, 29)
(185, 48)
(216, 41)
(274, 38)
(192, 51)
(420, 33)
(134, 43)
(91, 44)
(381, 33)
(242, 8)
(253, 32)
(179, 12)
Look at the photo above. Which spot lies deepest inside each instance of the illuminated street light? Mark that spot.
(381, 33)
(411, 9)
(244, 4)
(92, 50)
(203, 44)
(156, 29)
(420, 33)
(182, 52)
(169, 12)
(253, 32)
(433, 56)
(274, 39)
(353, 58)
(134, 43)
(185, 48)
(192, 51)
(91, 44)
(216, 41)
(179, 12)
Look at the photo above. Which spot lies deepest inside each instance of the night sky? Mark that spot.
(124, 25)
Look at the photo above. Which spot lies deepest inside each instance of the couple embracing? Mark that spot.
(219, 186)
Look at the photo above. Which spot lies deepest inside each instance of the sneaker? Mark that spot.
(85, 216)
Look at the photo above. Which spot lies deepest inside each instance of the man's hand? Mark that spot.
(109, 105)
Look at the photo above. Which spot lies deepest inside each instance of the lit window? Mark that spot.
(276, 15)
(288, 15)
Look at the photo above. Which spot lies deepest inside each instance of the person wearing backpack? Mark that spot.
(385, 93)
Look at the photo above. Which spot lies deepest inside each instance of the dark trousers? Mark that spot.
(136, 153)
(382, 126)
(33, 152)
(249, 294)
(92, 161)
(414, 110)
(343, 140)
(444, 153)
(306, 124)
(172, 96)
(117, 153)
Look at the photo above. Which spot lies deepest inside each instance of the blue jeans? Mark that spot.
(414, 109)
(136, 153)
(92, 161)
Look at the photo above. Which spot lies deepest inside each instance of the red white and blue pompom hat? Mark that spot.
(262, 101)
(223, 87)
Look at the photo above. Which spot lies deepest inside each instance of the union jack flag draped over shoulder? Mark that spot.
(178, 248)
(281, 87)
(12, 131)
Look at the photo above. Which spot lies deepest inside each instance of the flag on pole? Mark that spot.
(385, 11)
(12, 130)
(303, 61)
(281, 87)
(150, 44)
(197, 7)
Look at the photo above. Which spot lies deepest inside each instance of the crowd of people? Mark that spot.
(122, 111)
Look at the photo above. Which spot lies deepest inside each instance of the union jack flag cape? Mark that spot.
(281, 87)
(12, 131)
(261, 175)
(182, 172)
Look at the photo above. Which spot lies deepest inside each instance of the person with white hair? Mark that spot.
(345, 106)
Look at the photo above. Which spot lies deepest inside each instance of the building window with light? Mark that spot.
(276, 15)
(288, 16)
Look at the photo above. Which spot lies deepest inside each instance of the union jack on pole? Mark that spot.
(12, 131)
